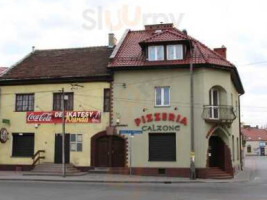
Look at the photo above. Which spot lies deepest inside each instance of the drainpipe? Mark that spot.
(240, 135)
(192, 156)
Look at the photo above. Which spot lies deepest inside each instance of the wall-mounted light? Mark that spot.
(145, 109)
(36, 125)
(175, 108)
(124, 85)
(117, 121)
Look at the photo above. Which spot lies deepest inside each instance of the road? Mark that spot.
(256, 189)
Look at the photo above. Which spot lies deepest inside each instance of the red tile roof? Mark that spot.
(60, 63)
(254, 134)
(2, 70)
(130, 54)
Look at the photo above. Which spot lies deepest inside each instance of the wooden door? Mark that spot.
(58, 148)
(110, 151)
(216, 152)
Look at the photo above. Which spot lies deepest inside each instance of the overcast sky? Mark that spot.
(239, 25)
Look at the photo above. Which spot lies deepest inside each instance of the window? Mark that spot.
(23, 145)
(162, 147)
(249, 149)
(76, 142)
(155, 53)
(237, 149)
(106, 100)
(162, 96)
(233, 147)
(57, 99)
(175, 52)
(24, 102)
(214, 103)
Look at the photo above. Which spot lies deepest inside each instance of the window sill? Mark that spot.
(167, 106)
(162, 160)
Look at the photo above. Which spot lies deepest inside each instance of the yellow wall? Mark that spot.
(86, 98)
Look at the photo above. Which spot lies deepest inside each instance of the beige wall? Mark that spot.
(255, 148)
(86, 98)
(134, 91)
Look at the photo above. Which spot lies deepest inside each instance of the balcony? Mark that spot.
(219, 114)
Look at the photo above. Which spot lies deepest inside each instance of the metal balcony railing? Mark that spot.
(219, 114)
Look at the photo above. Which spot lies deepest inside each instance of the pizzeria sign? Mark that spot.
(55, 117)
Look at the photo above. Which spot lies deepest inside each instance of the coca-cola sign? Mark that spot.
(70, 117)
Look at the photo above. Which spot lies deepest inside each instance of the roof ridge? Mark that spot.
(71, 48)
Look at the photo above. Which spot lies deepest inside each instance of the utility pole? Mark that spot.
(63, 133)
(192, 156)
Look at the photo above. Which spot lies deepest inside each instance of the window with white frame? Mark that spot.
(175, 52)
(155, 53)
(162, 96)
(76, 142)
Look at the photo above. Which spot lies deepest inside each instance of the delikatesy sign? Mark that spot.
(70, 117)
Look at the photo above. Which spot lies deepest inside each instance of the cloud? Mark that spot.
(239, 25)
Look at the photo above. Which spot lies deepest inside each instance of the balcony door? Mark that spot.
(214, 102)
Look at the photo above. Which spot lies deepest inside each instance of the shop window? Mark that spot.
(76, 142)
(249, 149)
(23, 145)
(162, 96)
(156, 53)
(106, 100)
(175, 52)
(162, 147)
(57, 101)
(24, 102)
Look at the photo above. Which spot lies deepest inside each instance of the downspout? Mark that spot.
(240, 134)
(192, 155)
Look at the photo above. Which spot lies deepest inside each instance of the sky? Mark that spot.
(239, 25)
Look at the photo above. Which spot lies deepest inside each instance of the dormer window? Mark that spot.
(156, 53)
(175, 52)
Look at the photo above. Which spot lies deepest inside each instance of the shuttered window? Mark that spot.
(162, 147)
(23, 145)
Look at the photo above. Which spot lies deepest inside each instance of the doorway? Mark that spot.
(58, 148)
(216, 152)
(109, 151)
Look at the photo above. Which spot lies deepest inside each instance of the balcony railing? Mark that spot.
(219, 114)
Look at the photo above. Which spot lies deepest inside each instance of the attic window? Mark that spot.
(175, 52)
(155, 53)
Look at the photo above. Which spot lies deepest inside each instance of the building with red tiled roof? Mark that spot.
(152, 94)
(256, 141)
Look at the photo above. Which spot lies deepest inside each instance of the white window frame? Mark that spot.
(162, 96)
(214, 107)
(74, 143)
(174, 49)
(156, 51)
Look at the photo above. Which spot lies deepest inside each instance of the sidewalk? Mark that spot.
(243, 176)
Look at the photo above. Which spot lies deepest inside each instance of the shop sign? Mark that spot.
(155, 118)
(3, 135)
(70, 117)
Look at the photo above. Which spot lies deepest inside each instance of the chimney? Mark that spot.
(221, 51)
(111, 40)
(160, 26)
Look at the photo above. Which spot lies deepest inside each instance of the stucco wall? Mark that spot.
(135, 97)
(86, 98)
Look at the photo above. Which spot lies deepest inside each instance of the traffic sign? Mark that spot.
(131, 132)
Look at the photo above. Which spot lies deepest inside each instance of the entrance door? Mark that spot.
(262, 151)
(110, 151)
(216, 152)
(58, 148)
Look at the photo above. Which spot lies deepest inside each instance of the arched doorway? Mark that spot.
(216, 152)
(108, 150)
(219, 153)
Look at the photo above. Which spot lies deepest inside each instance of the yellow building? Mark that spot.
(31, 106)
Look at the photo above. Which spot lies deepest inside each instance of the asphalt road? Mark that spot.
(256, 189)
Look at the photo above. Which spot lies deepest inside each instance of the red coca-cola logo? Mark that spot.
(42, 117)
